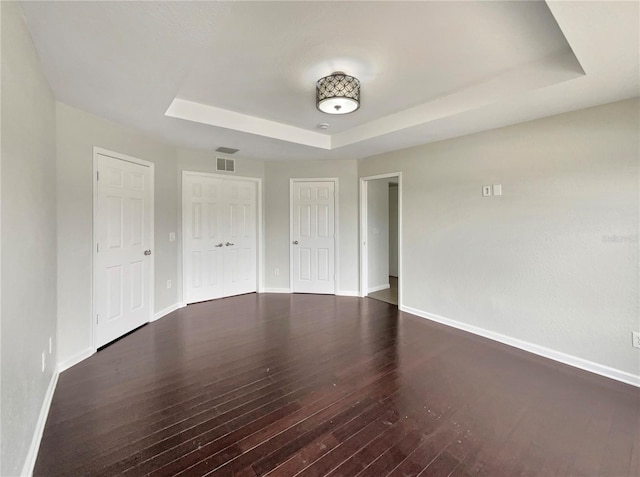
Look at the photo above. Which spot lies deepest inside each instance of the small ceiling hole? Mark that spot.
(227, 150)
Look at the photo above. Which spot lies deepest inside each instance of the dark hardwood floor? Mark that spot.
(285, 385)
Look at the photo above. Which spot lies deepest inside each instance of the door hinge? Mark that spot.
(97, 175)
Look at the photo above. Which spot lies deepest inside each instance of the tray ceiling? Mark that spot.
(242, 74)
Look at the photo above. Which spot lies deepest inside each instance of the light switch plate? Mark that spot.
(486, 191)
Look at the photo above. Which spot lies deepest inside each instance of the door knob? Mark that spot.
(219, 245)
(295, 242)
(147, 252)
(228, 244)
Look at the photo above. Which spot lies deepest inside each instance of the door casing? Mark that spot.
(364, 231)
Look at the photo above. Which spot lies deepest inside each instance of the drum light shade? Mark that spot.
(338, 93)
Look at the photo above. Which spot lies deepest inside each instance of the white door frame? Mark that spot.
(259, 225)
(336, 258)
(363, 232)
(151, 293)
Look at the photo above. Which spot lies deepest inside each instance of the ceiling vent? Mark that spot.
(227, 150)
(225, 165)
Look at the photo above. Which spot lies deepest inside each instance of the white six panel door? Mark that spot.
(123, 261)
(204, 241)
(220, 234)
(313, 236)
(240, 255)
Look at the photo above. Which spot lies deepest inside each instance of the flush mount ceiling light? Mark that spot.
(338, 93)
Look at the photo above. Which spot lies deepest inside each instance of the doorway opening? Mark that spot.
(380, 232)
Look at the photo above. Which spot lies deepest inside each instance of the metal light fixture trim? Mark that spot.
(338, 93)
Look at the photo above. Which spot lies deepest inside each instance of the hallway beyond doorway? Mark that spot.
(388, 295)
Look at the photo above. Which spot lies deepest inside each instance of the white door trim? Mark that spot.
(259, 225)
(363, 232)
(336, 221)
(123, 157)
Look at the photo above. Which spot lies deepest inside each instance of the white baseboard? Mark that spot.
(288, 290)
(167, 310)
(378, 288)
(75, 359)
(32, 455)
(348, 293)
(565, 358)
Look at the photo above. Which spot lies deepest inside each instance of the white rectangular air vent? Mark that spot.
(225, 165)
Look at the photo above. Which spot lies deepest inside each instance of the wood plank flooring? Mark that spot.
(307, 385)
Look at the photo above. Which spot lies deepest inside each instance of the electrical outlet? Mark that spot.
(276, 272)
(172, 237)
(50, 345)
(43, 361)
(636, 339)
(497, 189)
(168, 283)
(486, 191)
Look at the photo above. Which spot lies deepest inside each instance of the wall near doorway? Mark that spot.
(393, 229)
(514, 266)
(377, 235)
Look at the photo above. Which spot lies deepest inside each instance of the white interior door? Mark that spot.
(240, 254)
(313, 237)
(123, 299)
(220, 237)
(204, 238)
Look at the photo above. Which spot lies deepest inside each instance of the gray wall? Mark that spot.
(204, 161)
(277, 176)
(377, 234)
(77, 133)
(393, 230)
(515, 264)
(554, 261)
(28, 249)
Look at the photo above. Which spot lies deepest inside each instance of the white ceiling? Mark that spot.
(242, 74)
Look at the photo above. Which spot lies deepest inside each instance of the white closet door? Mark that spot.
(220, 237)
(313, 236)
(204, 238)
(240, 254)
(123, 254)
